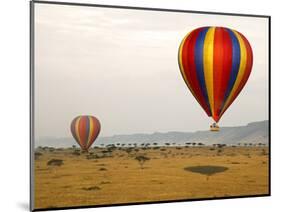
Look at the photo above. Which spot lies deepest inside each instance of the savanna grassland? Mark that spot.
(68, 177)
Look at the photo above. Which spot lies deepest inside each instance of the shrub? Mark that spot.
(76, 152)
(37, 155)
(55, 162)
(264, 152)
(219, 151)
(105, 182)
(93, 188)
(234, 162)
(92, 156)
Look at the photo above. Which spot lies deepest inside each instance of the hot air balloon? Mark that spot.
(215, 63)
(85, 130)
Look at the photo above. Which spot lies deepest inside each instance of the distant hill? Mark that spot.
(255, 132)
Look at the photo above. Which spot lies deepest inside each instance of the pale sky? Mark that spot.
(121, 66)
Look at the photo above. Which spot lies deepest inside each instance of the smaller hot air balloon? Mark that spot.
(85, 130)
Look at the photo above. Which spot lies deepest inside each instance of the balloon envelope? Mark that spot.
(85, 130)
(215, 63)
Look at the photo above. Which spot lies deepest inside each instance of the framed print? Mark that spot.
(144, 105)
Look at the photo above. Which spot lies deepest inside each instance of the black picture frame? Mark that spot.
(32, 59)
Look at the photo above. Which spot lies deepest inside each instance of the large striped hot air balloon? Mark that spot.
(215, 63)
(85, 130)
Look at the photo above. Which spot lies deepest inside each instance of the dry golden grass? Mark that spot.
(120, 178)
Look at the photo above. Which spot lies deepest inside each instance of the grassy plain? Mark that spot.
(115, 176)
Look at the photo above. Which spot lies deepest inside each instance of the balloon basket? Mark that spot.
(214, 127)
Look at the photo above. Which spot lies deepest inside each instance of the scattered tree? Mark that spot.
(142, 159)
